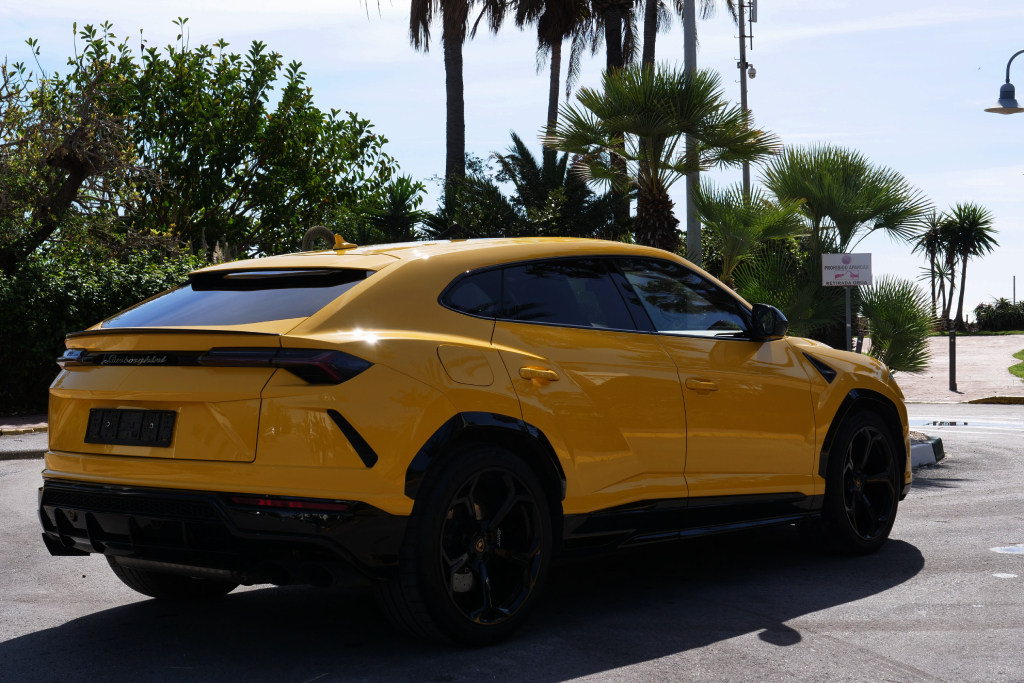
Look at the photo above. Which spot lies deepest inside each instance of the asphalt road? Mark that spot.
(936, 604)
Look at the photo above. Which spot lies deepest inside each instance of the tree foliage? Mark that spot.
(641, 116)
(196, 143)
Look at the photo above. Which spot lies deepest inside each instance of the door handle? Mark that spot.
(698, 384)
(539, 376)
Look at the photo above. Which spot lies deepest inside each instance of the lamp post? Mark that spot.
(1007, 96)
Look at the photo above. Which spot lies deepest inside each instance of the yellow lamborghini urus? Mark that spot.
(443, 420)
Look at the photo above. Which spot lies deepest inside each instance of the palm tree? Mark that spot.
(455, 17)
(931, 244)
(970, 235)
(557, 20)
(396, 213)
(743, 222)
(846, 197)
(897, 311)
(550, 200)
(641, 116)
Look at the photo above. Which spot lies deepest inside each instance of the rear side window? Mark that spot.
(680, 301)
(242, 297)
(476, 294)
(579, 292)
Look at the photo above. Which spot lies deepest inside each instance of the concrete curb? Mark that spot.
(1000, 400)
(22, 430)
(926, 452)
(22, 455)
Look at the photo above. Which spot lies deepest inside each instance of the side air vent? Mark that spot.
(362, 449)
(828, 373)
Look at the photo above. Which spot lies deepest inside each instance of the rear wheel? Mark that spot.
(476, 551)
(170, 587)
(861, 488)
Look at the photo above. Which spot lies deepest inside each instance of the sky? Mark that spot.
(905, 83)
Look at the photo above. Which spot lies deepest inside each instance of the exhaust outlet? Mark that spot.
(333, 575)
(279, 573)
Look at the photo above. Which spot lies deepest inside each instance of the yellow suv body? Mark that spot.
(330, 416)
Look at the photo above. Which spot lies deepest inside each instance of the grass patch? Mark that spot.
(1018, 369)
(985, 333)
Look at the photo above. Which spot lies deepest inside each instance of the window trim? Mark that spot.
(615, 272)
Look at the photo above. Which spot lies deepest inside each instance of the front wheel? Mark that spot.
(476, 552)
(861, 488)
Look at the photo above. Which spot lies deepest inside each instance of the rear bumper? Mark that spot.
(204, 529)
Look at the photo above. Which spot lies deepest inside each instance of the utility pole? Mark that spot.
(693, 237)
(743, 74)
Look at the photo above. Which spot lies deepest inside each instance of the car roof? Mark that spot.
(483, 252)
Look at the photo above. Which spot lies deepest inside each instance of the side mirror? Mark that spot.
(768, 322)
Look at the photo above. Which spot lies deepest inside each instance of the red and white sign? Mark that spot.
(845, 270)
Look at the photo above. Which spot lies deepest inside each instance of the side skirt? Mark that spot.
(655, 521)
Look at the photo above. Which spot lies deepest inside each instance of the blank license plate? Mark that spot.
(131, 427)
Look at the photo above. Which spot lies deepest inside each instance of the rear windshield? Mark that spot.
(242, 297)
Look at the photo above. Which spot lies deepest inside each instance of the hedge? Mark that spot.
(45, 300)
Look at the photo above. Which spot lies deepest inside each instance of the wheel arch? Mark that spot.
(527, 441)
(864, 399)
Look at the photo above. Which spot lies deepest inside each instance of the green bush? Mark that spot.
(48, 298)
(901, 321)
(999, 316)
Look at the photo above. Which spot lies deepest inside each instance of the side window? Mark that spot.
(683, 302)
(579, 292)
(476, 295)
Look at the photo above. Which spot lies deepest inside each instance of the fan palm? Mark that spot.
(846, 197)
(742, 222)
(900, 322)
(969, 233)
(641, 116)
(455, 25)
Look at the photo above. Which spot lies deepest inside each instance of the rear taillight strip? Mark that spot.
(315, 366)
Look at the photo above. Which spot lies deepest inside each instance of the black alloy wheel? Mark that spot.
(869, 482)
(490, 549)
(862, 485)
(476, 551)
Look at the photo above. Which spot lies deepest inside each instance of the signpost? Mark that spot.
(846, 270)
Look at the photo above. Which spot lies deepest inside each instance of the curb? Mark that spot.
(22, 430)
(927, 452)
(1000, 400)
(22, 455)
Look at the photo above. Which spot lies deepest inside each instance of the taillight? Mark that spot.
(292, 503)
(316, 366)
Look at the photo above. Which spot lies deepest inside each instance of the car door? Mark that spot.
(606, 395)
(750, 422)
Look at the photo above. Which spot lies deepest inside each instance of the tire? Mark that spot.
(861, 488)
(171, 587)
(476, 550)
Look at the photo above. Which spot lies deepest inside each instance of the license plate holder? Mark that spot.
(154, 428)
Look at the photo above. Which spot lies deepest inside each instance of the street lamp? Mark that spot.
(1007, 97)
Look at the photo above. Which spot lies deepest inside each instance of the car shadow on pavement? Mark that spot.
(597, 615)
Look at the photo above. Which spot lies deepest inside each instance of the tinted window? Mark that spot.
(476, 295)
(681, 301)
(577, 292)
(241, 297)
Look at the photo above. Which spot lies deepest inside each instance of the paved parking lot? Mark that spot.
(936, 604)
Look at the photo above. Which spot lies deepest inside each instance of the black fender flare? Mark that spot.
(470, 424)
(863, 398)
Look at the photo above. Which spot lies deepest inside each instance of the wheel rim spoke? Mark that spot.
(869, 498)
(492, 529)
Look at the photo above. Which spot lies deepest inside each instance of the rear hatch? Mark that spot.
(179, 375)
